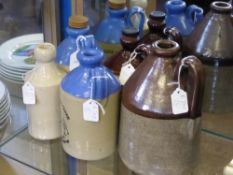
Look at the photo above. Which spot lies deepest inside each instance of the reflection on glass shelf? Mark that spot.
(18, 120)
(215, 154)
(28, 151)
(220, 124)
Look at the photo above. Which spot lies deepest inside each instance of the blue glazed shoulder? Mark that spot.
(68, 45)
(81, 84)
(109, 30)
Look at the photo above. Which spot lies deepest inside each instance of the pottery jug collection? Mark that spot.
(134, 87)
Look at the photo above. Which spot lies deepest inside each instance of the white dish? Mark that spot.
(5, 115)
(11, 72)
(2, 91)
(5, 122)
(18, 52)
(22, 70)
(11, 80)
(13, 77)
(19, 77)
(5, 106)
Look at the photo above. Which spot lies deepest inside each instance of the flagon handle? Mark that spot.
(172, 33)
(195, 67)
(139, 11)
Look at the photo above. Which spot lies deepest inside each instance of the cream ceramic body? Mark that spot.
(89, 140)
(44, 117)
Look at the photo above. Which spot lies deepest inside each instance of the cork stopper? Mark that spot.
(116, 5)
(45, 52)
(78, 22)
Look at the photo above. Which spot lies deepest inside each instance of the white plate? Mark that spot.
(11, 80)
(11, 74)
(18, 52)
(4, 108)
(5, 115)
(2, 91)
(16, 77)
(14, 68)
(9, 71)
(5, 122)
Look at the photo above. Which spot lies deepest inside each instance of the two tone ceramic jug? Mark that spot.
(161, 113)
(90, 104)
(129, 40)
(78, 25)
(212, 42)
(182, 17)
(108, 33)
(158, 29)
(43, 83)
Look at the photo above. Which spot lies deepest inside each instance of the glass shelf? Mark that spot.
(216, 151)
(215, 154)
(17, 122)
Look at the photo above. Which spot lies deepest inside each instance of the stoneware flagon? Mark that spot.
(144, 5)
(78, 25)
(158, 29)
(153, 140)
(212, 42)
(85, 138)
(44, 119)
(182, 17)
(118, 17)
(129, 41)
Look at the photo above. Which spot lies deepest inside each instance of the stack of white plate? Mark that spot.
(5, 105)
(16, 57)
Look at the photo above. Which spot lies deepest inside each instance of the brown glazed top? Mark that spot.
(158, 29)
(129, 41)
(156, 24)
(148, 91)
(212, 39)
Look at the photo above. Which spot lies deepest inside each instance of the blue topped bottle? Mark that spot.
(109, 30)
(90, 106)
(182, 17)
(78, 25)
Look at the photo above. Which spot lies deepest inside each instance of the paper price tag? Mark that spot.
(74, 60)
(91, 111)
(29, 95)
(126, 72)
(179, 101)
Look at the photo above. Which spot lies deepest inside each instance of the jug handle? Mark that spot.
(144, 49)
(172, 33)
(136, 10)
(194, 13)
(195, 66)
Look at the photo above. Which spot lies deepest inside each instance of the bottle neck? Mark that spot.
(74, 33)
(156, 26)
(175, 7)
(129, 43)
(117, 13)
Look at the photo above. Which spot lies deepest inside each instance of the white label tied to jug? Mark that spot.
(179, 101)
(74, 60)
(91, 111)
(29, 95)
(126, 72)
